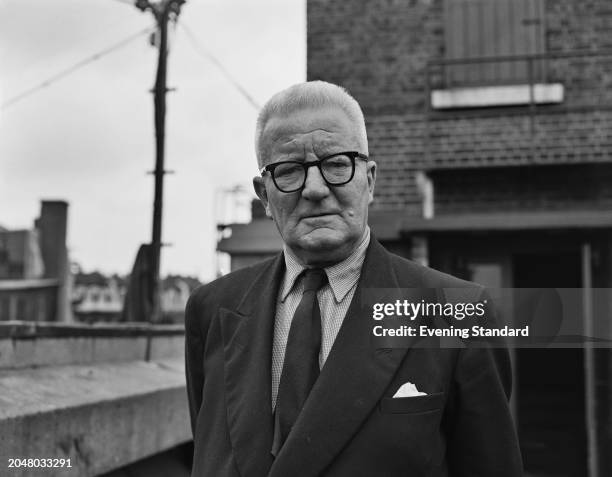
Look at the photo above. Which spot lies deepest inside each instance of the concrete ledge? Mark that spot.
(28, 284)
(25, 345)
(101, 417)
(488, 96)
(86, 393)
(34, 329)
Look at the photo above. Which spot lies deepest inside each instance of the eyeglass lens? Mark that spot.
(336, 170)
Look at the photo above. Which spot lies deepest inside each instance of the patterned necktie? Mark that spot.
(301, 363)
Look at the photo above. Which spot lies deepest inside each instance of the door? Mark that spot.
(550, 389)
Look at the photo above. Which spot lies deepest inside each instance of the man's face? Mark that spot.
(321, 224)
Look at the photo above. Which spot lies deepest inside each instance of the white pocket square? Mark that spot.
(408, 390)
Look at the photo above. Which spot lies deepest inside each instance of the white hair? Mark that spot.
(311, 94)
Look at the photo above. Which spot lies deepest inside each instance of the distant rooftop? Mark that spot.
(93, 278)
(258, 236)
(99, 279)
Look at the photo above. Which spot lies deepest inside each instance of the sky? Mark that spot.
(88, 138)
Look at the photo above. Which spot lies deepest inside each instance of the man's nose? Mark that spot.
(315, 187)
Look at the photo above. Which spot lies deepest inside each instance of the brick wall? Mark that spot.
(376, 48)
(558, 137)
(572, 25)
(559, 187)
(379, 50)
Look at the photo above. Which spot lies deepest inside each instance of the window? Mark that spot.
(493, 28)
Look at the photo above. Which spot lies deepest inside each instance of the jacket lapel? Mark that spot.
(247, 338)
(351, 382)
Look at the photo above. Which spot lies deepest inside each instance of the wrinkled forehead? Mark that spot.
(320, 129)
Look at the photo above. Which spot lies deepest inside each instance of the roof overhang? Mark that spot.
(261, 237)
(509, 221)
(257, 237)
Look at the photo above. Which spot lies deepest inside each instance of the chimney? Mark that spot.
(52, 226)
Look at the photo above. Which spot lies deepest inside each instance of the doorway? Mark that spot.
(550, 389)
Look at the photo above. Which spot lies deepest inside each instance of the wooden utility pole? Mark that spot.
(162, 11)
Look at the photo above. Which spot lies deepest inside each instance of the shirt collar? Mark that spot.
(342, 276)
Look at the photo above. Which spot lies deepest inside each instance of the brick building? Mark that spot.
(491, 124)
(34, 273)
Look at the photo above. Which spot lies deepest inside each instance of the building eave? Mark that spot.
(257, 237)
(509, 221)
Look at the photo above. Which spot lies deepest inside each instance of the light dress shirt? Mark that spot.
(334, 299)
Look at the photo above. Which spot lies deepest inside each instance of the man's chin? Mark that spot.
(322, 249)
(320, 240)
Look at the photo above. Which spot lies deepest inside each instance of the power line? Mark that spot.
(127, 2)
(200, 49)
(62, 74)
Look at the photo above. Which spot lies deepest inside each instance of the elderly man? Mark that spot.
(282, 377)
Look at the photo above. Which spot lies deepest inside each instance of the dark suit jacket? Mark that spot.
(350, 425)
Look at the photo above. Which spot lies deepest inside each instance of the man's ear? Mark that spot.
(371, 173)
(260, 189)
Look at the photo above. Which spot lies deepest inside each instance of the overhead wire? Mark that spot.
(195, 43)
(127, 2)
(78, 65)
(205, 53)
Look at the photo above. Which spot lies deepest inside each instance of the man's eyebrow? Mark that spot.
(303, 133)
(318, 129)
(326, 145)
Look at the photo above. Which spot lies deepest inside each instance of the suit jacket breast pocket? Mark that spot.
(412, 405)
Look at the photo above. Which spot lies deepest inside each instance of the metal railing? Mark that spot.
(534, 63)
(586, 76)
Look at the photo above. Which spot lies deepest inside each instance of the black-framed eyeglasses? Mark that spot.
(336, 169)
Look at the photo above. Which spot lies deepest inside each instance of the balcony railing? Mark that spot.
(585, 75)
(559, 110)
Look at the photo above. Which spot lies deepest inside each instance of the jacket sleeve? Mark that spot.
(482, 439)
(194, 356)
